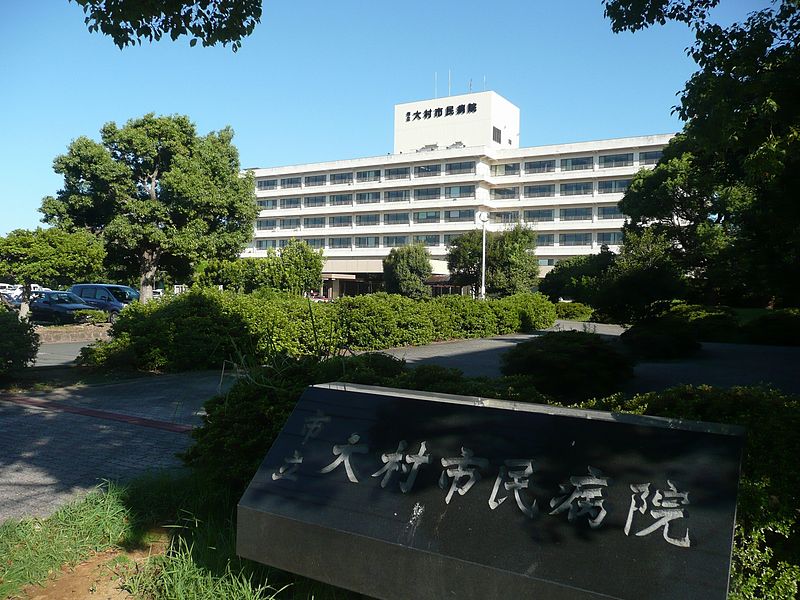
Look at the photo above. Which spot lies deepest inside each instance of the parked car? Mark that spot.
(56, 307)
(12, 302)
(109, 297)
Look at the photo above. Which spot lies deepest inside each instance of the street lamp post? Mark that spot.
(484, 218)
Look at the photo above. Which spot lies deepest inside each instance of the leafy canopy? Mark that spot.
(405, 270)
(209, 21)
(159, 195)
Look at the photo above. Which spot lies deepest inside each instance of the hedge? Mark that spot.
(19, 342)
(204, 327)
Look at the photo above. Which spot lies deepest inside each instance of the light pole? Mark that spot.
(483, 216)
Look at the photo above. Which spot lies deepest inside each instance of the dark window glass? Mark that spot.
(269, 204)
(617, 186)
(460, 191)
(290, 182)
(340, 242)
(315, 243)
(374, 175)
(368, 197)
(583, 188)
(611, 238)
(290, 223)
(609, 161)
(396, 218)
(263, 224)
(459, 215)
(510, 216)
(427, 170)
(313, 201)
(540, 191)
(609, 212)
(497, 135)
(583, 213)
(313, 180)
(398, 173)
(340, 221)
(538, 215)
(540, 166)
(505, 169)
(371, 241)
(267, 184)
(363, 220)
(460, 168)
(576, 164)
(340, 178)
(431, 239)
(397, 195)
(650, 158)
(313, 222)
(427, 216)
(393, 241)
(427, 193)
(340, 199)
(545, 239)
(290, 202)
(575, 239)
(509, 193)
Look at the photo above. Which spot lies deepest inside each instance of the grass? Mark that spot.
(45, 379)
(200, 562)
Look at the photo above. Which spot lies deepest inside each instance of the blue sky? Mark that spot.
(318, 80)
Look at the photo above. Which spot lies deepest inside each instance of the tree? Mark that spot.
(159, 195)
(511, 263)
(50, 257)
(297, 269)
(740, 149)
(210, 21)
(405, 270)
(578, 278)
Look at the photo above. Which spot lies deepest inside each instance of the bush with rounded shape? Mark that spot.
(709, 323)
(779, 328)
(661, 337)
(536, 312)
(463, 317)
(573, 311)
(19, 342)
(569, 365)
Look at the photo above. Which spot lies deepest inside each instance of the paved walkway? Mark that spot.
(57, 445)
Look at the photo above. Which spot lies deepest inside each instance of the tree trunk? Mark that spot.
(25, 305)
(149, 266)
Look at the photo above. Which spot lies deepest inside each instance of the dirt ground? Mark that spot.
(99, 577)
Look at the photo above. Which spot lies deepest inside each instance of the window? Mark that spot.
(397, 173)
(428, 171)
(576, 214)
(540, 166)
(370, 241)
(497, 135)
(293, 223)
(365, 220)
(368, 197)
(341, 178)
(545, 239)
(505, 169)
(546, 262)
(650, 158)
(538, 215)
(269, 204)
(508, 193)
(290, 182)
(340, 242)
(576, 164)
(431, 239)
(617, 186)
(393, 241)
(290, 202)
(313, 222)
(609, 238)
(460, 191)
(363, 176)
(315, 243)
(575, 239)
(427, 193)
(314, 201)
(265, 244)
(583, 188)
(459, 168)
(427, 216)
(313, 180)
(396, 218)
(540, 191)
(340, 221)
(449, 237)
(283, 243)
(267, 224)
(609, 212)
(340, 199)
(609, 161)
(266, 184)
(509, 216)
(397, 195)
(452, 216)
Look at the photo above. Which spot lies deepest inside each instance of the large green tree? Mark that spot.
(405, 270)
(511, 263)
(50, 257)
(735, 170)
(209, 21)
(159, 195)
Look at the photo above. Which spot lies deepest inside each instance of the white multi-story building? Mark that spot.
(455, 160)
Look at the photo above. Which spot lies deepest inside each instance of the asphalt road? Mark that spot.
(64, 353)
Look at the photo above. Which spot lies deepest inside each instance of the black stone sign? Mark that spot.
(400, 494)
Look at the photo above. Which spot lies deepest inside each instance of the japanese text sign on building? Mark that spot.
(401, 494)
(441, 111)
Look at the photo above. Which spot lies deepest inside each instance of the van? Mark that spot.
(108, 297)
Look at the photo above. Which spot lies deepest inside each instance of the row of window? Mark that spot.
(584, 188)
(580, 163)
(538, 215)
(434, 239)
(456, 168)
(460, 168)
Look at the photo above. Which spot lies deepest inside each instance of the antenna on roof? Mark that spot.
(470, 85)
(448, 82)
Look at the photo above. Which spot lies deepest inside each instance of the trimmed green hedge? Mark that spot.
(19, 342)
(661, 337)
(204, 327)
(574, 311)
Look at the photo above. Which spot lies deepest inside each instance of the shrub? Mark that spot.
(536, 312)
(19, 342)
(94, 317)
(573, 311)
(661, 337)
(709, 323)
(766, 554)
(569, 365)
(779, 327)
(377, 321)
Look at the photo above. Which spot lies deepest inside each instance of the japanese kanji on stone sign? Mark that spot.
(401, 494)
